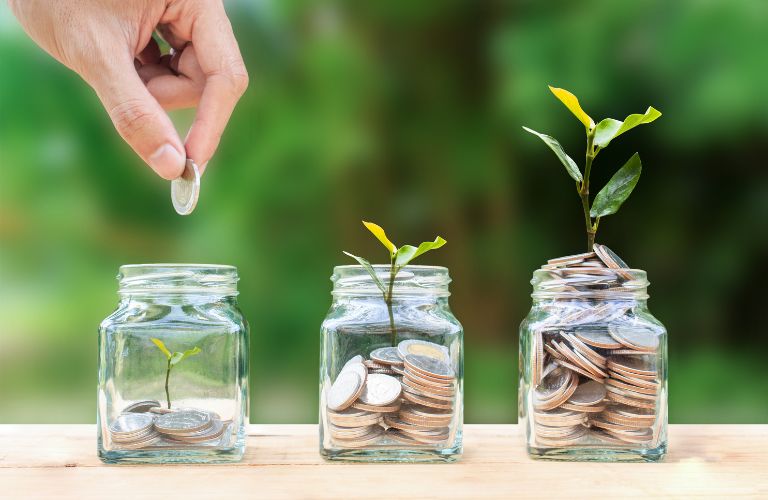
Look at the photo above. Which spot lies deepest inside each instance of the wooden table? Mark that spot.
(282, 462)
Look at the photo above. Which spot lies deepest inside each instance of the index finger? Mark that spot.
(225, 80)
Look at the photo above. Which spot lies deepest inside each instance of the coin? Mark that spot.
(629, 387)
(214, 431)
(387, 356)
(553, 384)
(612, 260)
(429, 366)
(353, 417)
(141, 406)
(380, 390)
(423, 348)
(345, 389)
(380, 409)
(634, 339)
(597, 338)
(639, 368)
(185, 189)
(131, 423)
(588, 394)
(183, 421)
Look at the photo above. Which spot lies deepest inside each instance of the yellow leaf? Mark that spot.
(572, 103)
(379, 233)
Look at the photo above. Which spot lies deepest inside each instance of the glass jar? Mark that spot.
(391, 379)
(173, 367)
(593, 371)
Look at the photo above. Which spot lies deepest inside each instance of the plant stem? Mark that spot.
(584, 190)
(167, 375)
(388, 300)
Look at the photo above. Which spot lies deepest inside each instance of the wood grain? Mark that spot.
(282, 462)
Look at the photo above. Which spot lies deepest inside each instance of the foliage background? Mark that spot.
(405, 113)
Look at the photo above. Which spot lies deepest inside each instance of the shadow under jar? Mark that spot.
(173, 367)
(391, 394)
(593, 376)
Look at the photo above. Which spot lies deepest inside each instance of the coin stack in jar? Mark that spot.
(404, 394)
(146, 424)
(593, 383)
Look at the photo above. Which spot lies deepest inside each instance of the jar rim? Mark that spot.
(172, 278)
(353, 279)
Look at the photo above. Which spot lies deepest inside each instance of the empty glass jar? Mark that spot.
(593, 371)
(391, 379)
(173, 367)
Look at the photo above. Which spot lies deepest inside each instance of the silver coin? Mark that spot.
(215, 431)
(387, 355)
(186, 189)
(183, 421)
(589, 393)
(430, 366)
(344, 390)
(131, 423)
(141, 406)
(423, 348)
(380, 390)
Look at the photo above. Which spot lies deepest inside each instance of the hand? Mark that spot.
(109, 44)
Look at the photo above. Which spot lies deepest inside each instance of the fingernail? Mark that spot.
(167, 162)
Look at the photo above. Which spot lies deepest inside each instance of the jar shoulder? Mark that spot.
(607, 315)
(134, 315)
(350, 315)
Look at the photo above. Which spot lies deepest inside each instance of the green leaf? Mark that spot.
(407, 253)
(379, 233)
(368, 267)
(567, 161)
(572, 103)
(609, 129)
(618, 189)
(180, 356)
(161, 346)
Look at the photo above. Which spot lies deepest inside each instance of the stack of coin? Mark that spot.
(146, 423)
(592, 381)
(134, 431)
(190, 425)
(408, 390)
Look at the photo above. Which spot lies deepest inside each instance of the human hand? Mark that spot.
(109, 44)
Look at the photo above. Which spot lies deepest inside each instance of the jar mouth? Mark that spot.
(597, 283)
(168, 278)
(411, 280)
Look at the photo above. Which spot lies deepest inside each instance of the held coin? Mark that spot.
(186, 189)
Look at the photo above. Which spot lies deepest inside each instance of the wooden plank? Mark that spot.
(282, 462)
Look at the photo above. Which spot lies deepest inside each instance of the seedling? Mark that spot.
(398, 259)
(618, 189)
(173, 359)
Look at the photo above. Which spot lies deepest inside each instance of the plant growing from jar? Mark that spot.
(609, 199)
(398, 259)
(173, 358)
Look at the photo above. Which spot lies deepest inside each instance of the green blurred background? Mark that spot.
(406, 113)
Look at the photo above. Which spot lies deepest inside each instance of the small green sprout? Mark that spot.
(173, 359)
(620, 186)
(398, 259)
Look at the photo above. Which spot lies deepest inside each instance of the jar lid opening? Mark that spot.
(410, 280)
(177, 279)
(597, 283)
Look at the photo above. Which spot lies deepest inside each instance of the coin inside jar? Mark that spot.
(423, 348)
(344, 390)
(380, 390)
(429, 366)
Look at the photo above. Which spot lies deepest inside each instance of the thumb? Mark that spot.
(142, 122)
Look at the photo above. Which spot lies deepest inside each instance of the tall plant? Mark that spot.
(599, 135)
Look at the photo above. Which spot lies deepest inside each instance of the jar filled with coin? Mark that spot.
(173, 367)
(391, 372)
(593, 378)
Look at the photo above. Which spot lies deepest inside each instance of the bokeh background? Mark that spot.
(406, 113)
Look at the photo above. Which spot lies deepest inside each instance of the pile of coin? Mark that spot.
(146, 424)
(593, 383)
(405, 394)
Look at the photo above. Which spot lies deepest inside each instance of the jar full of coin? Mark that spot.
(173, 367)
(593, 372)
(391, 373)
